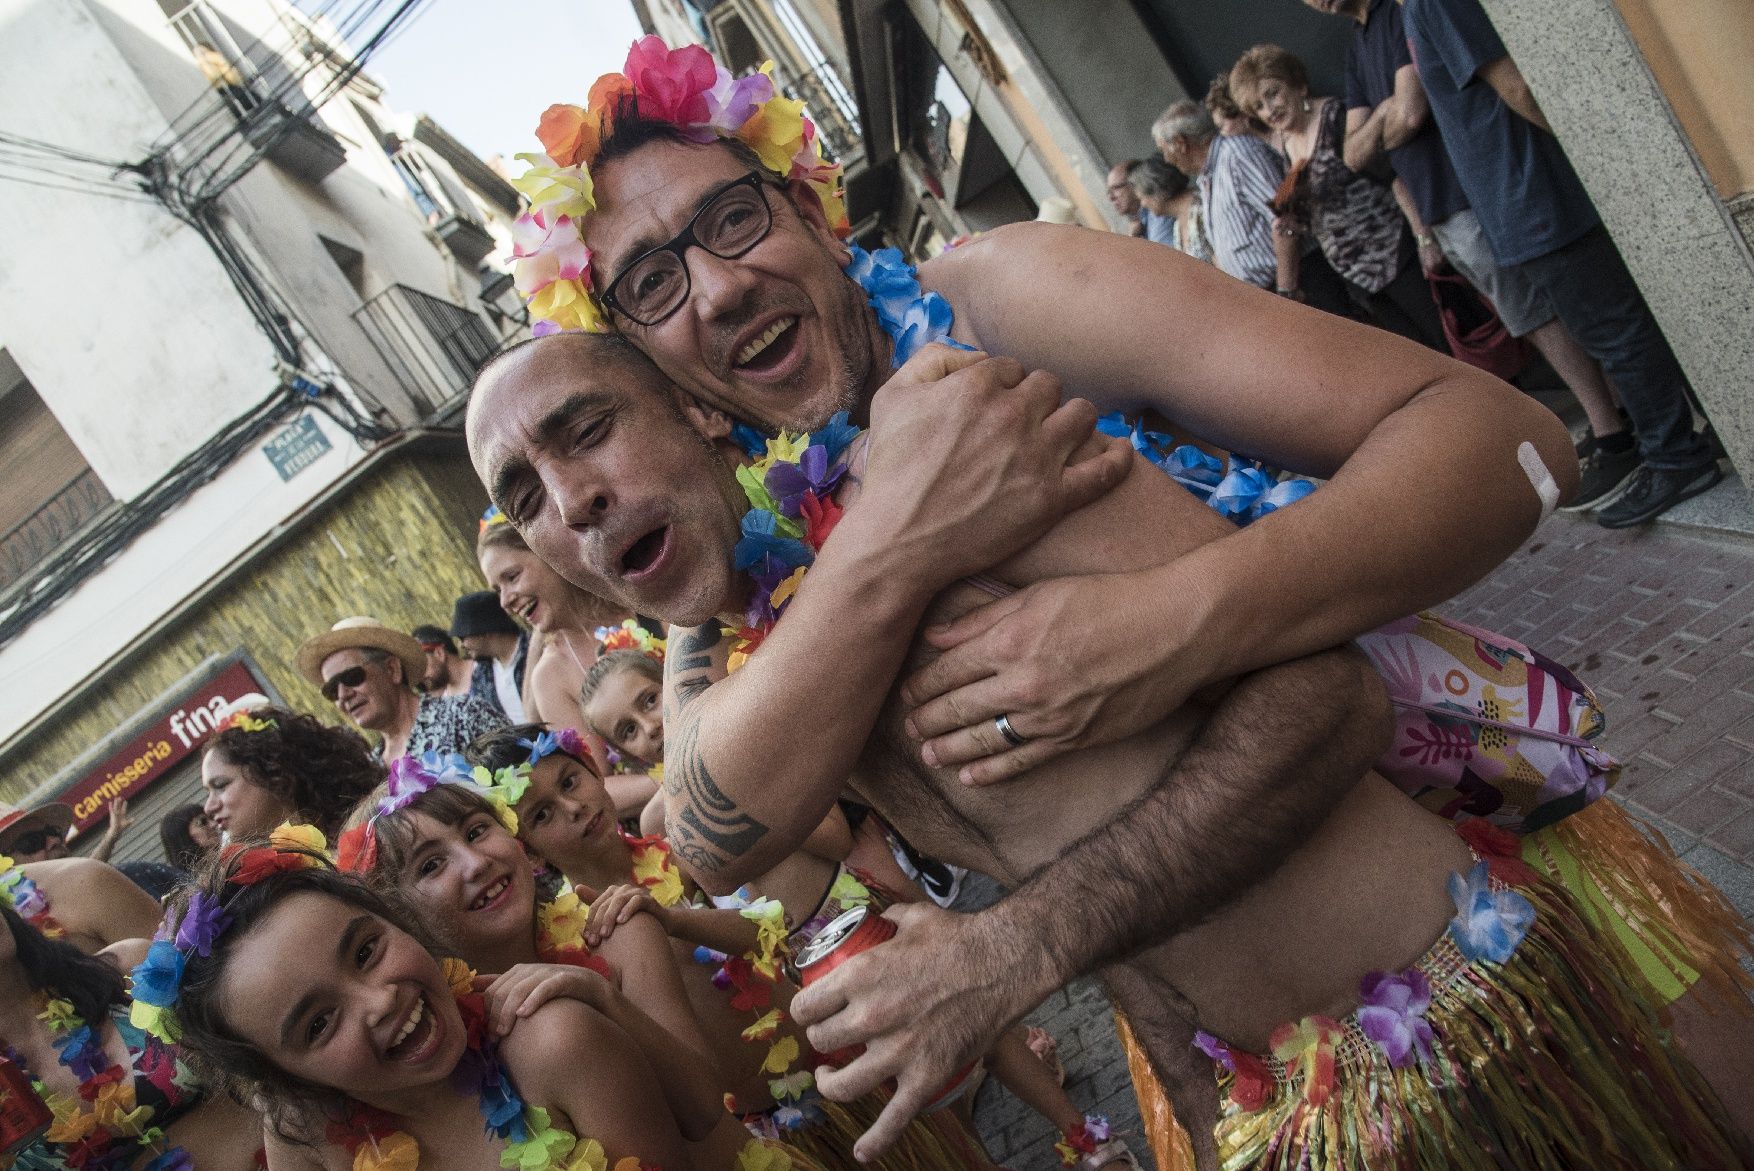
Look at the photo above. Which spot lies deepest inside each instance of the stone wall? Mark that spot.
(399, 546)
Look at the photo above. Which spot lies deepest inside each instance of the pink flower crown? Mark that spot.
(685, 87)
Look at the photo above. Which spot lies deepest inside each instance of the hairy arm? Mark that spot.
(1391, 125)
(1507, 82)
(966, 462)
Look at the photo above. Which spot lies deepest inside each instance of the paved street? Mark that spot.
(1660, 621)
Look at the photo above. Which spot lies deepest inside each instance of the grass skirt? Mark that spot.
(939, 1141)
(1556, 1058)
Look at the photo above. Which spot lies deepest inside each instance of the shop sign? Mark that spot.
(172, 736)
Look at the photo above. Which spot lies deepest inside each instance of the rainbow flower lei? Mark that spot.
(630, 636)
(791, 513)
(684, 87)
(95, 1132)
(410, 778)
(27, 898)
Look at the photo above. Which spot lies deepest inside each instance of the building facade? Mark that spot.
(233, 345)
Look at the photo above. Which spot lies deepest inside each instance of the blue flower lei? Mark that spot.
(1244, 491)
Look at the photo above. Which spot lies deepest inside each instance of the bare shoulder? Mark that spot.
(546, 1051)
(86, 882)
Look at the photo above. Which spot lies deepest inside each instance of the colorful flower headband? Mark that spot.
(158, 979)
(412, 777)
(243, 721)
(493, 516)
(630, 636)
(684, 87)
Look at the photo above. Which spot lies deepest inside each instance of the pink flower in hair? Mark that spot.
(547, 248)
(672, 83)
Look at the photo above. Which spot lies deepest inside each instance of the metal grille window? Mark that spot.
(433, 347)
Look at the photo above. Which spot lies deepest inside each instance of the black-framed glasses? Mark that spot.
(656, 283)
(352, 677)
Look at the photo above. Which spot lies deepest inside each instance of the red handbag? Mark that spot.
(1473, 329)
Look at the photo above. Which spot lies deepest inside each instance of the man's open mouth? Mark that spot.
(645, 552)
(768, 349)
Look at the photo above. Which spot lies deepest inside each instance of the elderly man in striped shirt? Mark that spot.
(1237, 176)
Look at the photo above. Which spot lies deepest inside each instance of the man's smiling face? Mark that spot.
(777, 336)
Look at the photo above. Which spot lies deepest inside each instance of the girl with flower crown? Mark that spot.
(729, 954)
(119, 1097)
(439, 843)
(371, 1053)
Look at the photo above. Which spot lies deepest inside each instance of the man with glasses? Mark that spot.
(367, 670)
(1437, 472)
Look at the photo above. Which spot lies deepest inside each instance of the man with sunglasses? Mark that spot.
(368, 670)
(35, 835)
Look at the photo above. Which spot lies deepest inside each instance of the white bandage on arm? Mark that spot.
(1539, 477)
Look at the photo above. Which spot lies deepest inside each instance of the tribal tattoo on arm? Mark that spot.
(707, 830)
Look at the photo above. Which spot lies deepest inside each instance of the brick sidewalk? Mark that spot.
(1660, 621)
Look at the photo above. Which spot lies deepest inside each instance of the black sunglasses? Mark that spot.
(31, 841)
(352, 677)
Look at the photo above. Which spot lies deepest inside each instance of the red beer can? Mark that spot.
(24, 1117)
(855, 931)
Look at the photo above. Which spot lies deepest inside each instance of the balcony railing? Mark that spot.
(444, 206)
(831, 108)
(433, 347)
(29, 543)
(262, 94)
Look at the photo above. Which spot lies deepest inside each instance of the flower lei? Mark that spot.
(243, 721)
(1083, 1139)
(791, 513)
(684, 87)
(749, 978)
(1490, 924)
(94, 1132)
(560, 934)
(630, 636)
(1244, 493)
(27, 898)
(532, 1143)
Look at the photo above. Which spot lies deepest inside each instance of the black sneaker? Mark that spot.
(1604, 474)
(1654, 491)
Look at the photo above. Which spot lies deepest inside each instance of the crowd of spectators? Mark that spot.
(1435, 171)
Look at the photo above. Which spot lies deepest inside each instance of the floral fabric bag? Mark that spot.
(1486, 727)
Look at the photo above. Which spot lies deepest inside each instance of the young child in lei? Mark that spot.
(440, 843)
(371, 1053)
(735, 945)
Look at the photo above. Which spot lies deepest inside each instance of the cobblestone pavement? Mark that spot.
(1660, 621)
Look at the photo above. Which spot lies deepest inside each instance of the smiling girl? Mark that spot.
(370, 1052)
(435, 841)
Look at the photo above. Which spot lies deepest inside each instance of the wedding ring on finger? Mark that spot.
(1012, 736)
